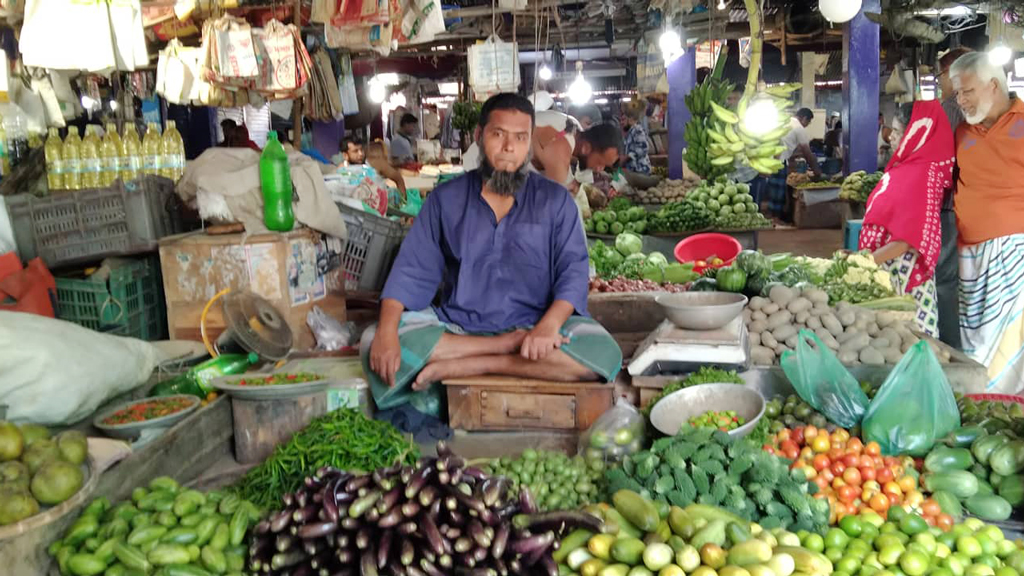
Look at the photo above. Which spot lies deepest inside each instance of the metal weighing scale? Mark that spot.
(254, 325)
(670, 349)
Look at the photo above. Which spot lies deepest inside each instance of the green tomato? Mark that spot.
(599, 439)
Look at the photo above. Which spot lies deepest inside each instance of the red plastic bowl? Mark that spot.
(704, 246)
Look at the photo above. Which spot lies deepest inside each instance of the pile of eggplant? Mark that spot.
(435, 519)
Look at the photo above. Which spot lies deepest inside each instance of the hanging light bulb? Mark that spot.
(721, 5)
(580, 90)
(545, 73)
(1000, 54)
(761, 118)
(839, 11)
(378, 93)
(671, 45)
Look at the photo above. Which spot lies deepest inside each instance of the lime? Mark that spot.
(968, 546)
(988, 547)
(941, 572)
(988, 560)
(847, 564)
(896, 513)
(1006, 571)
(836, 538)
(890, 555)
(912, 524)
(814, 543)
(887, 540)
(1004, 548)
(833, 554)
(598, 439)
(979, 570)
(852, 526)
(914, 563)
(927, 541)
(623, 436)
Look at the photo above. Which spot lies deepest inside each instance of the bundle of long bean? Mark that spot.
(344, 439)
(433, 519)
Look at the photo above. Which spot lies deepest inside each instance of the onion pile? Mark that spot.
(621, 284)
(438, 517)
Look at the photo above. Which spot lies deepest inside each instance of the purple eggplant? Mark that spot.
(419, 480)
(286, 559)
(526, 501)
(283, 542)
(305, 514)
(407, 553)
(410, 509)
(357, 482)
(281, 520)
(430, 568)
(384, 549)
(432, 534)
(500, 541)
(317, 530)
(391, 519)
(528, 545)
(330, 500)
(345, 556)
(363, 539)
(407, 528)
(368, 564)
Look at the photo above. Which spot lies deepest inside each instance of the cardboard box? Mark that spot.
(293, 271)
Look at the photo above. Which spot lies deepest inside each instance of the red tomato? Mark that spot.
(789, 445)
(855, 445)
(930, 508)
(868, 473)
(792, 453)
(828, 475)
(768, 448)
(852, 476)
(848, 494)
(851, 460)
(872, 448)
(884, 475)
(838, 468)
(879, 503)
(865, 460)
(821, 462)
(797, 435)
(944, 521)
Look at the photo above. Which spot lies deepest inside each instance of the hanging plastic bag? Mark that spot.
(617, 433)
(914, 407)
(823, 382)
(493, 67)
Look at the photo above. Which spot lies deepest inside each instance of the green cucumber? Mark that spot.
(990, 507)
(983, 447)
(944, 459)
(960, 483)
(164, 483)
(146, 534)
(221, 535)
(236, 561)
(165, 554)
(1008, 459)
(185, 570)
(86, 565)
(180, 536)
(639, 511)
(131, 557)
(214, 560)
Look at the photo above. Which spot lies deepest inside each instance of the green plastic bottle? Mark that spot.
(276, 182)
(199, 380)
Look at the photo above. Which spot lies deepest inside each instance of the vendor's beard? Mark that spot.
(503, 182)
(980, 114)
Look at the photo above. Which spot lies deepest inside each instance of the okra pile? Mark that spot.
(430, 519)
(163, 528)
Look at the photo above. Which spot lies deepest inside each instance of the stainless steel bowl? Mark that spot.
(677, 408)
(702, 310)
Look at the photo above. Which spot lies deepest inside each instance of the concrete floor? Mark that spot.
(815, 243)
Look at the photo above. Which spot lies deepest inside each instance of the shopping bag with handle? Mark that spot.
(914, 407)
(823, 382)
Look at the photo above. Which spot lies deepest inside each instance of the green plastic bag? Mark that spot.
(823, 382)
(914, 407)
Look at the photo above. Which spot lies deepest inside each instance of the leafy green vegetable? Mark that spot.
(628, 243)
(754, 263)
(706, 375)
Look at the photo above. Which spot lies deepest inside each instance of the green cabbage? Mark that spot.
(657, 258)
(628, 243)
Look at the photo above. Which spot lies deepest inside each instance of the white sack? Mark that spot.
(56, 372)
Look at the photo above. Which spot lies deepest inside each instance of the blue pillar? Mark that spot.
(682, 77)
(861, 90)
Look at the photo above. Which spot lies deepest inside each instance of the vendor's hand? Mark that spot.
(386, 356)
(540, 342)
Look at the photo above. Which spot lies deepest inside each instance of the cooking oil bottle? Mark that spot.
(151, 149)
(54, 161)
(110, 153)
(131, 153)
(71, 154)
(90, 158)
(173, 152)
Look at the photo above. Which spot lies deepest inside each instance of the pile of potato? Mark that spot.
(856, 335)
(667, 191)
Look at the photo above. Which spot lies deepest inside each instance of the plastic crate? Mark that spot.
(851, 234)
(69, 227)
(372, 245)
(128, 303)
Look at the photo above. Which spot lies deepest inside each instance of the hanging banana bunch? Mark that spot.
(732, 139)
(712, 92)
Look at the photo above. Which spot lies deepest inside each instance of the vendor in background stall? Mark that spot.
(236, 136)
(403, 143)
(798, 145)
(351, 152)
(989, 205)
(506, 249)
(588, 115)
(637, 157)
(901, 225)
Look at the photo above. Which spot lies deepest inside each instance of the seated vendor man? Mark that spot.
(505, 247)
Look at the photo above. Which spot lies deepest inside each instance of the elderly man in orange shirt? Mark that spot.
(989, 206)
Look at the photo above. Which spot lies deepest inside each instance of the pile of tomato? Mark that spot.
(855, 476)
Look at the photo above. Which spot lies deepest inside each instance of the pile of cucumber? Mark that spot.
(163, 529)
(976, 471)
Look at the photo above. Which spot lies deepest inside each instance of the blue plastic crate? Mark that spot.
(851, 234)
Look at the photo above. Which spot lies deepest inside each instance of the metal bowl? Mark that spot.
(677, 408)
(132, 430)
(702, 310)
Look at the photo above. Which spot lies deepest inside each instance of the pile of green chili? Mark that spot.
(344, 439)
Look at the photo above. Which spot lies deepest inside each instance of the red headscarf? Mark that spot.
(905, 204)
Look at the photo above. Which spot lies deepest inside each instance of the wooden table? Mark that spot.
(506, 403)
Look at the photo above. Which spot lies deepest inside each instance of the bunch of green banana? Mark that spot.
(712, 92)
(731, 140)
